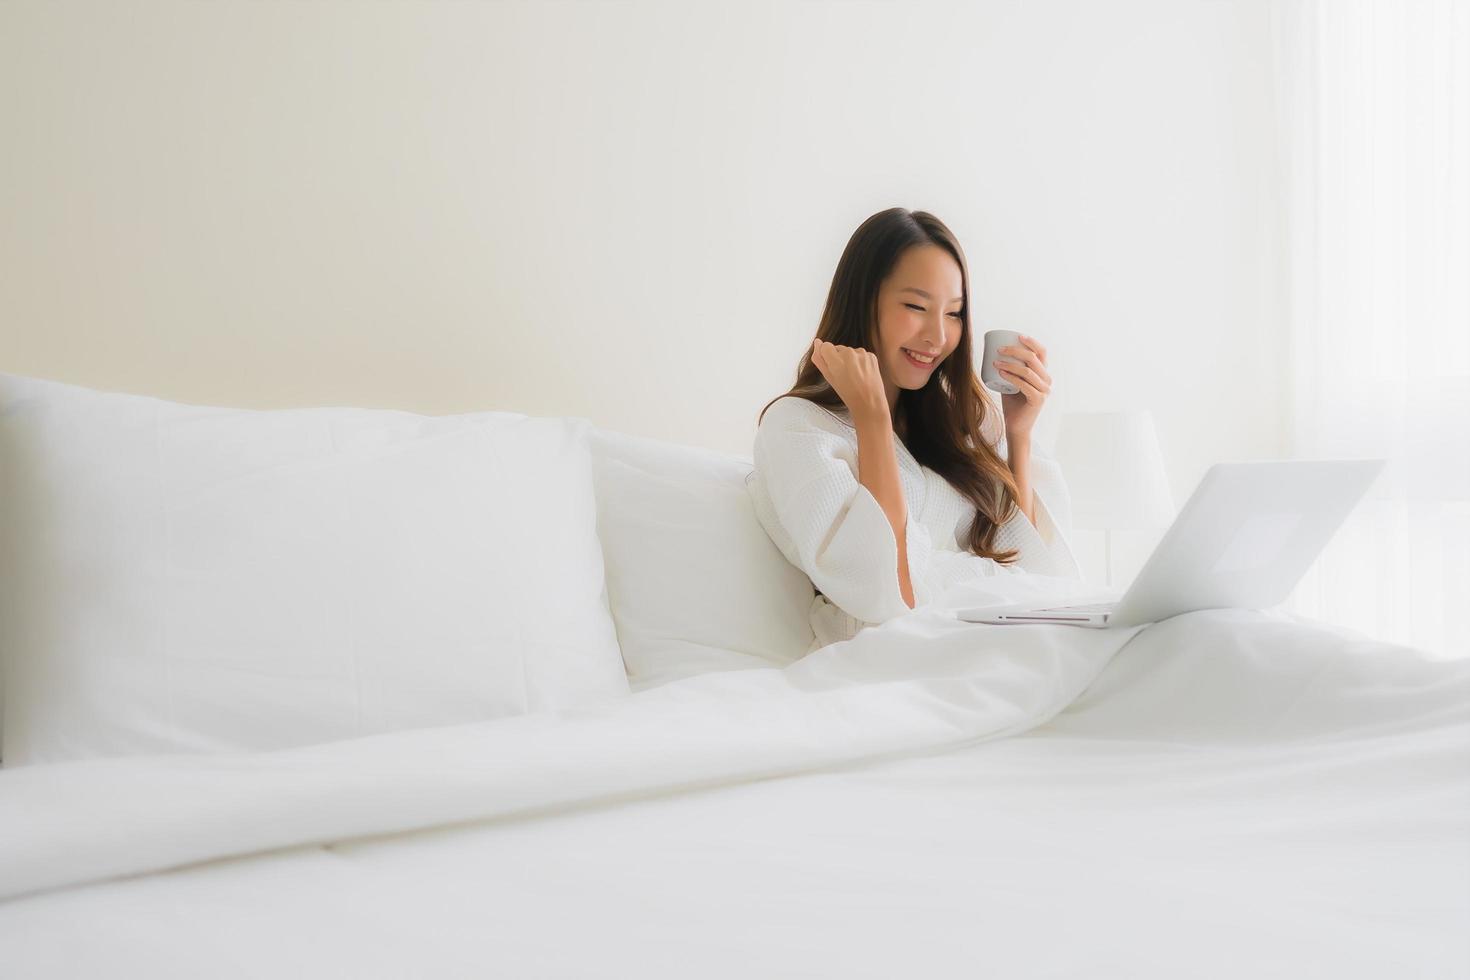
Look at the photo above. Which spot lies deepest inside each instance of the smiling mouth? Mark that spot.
(924, 365)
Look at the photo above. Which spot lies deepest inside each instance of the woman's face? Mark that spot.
(920, 308)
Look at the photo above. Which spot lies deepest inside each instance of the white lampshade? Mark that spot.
(1114, 471)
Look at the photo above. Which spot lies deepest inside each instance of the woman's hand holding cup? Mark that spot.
(1015, 366)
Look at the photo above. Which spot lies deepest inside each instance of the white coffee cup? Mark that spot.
(989, 376)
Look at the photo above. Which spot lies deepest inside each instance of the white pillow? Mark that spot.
(177, 578)
(694, 581)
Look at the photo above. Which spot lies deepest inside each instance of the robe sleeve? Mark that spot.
(828, 524)
(1044, 548)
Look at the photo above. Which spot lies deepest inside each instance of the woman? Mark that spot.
(879, 473)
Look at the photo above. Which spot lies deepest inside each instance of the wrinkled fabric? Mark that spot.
(919, 682)
(805, 490)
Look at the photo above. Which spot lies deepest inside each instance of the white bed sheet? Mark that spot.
(1237, 794)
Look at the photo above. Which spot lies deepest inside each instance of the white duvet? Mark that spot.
(1224, 793)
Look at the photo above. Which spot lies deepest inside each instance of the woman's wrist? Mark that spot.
(873, 417)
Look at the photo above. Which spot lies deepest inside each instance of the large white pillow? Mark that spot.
(176, 578)
(694, 581)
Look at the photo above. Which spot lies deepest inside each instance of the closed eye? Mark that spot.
(958, 315)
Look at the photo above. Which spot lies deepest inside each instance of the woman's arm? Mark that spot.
(824, 520)
(1026, 370)
(1018, 457)
(878, 471)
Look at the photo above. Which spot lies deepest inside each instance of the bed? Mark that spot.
(1223, 793)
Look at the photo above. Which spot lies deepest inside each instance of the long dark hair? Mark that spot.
(944, 421)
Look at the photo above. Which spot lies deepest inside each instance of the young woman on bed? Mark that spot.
(883, 477)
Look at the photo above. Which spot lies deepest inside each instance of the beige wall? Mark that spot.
(631, 211)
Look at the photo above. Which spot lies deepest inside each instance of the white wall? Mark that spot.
(631, 211)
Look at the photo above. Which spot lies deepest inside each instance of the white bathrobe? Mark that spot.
(807, 496)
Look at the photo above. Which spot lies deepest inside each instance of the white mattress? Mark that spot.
(1234, 794)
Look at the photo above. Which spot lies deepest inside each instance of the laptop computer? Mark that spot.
(1243, 540)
